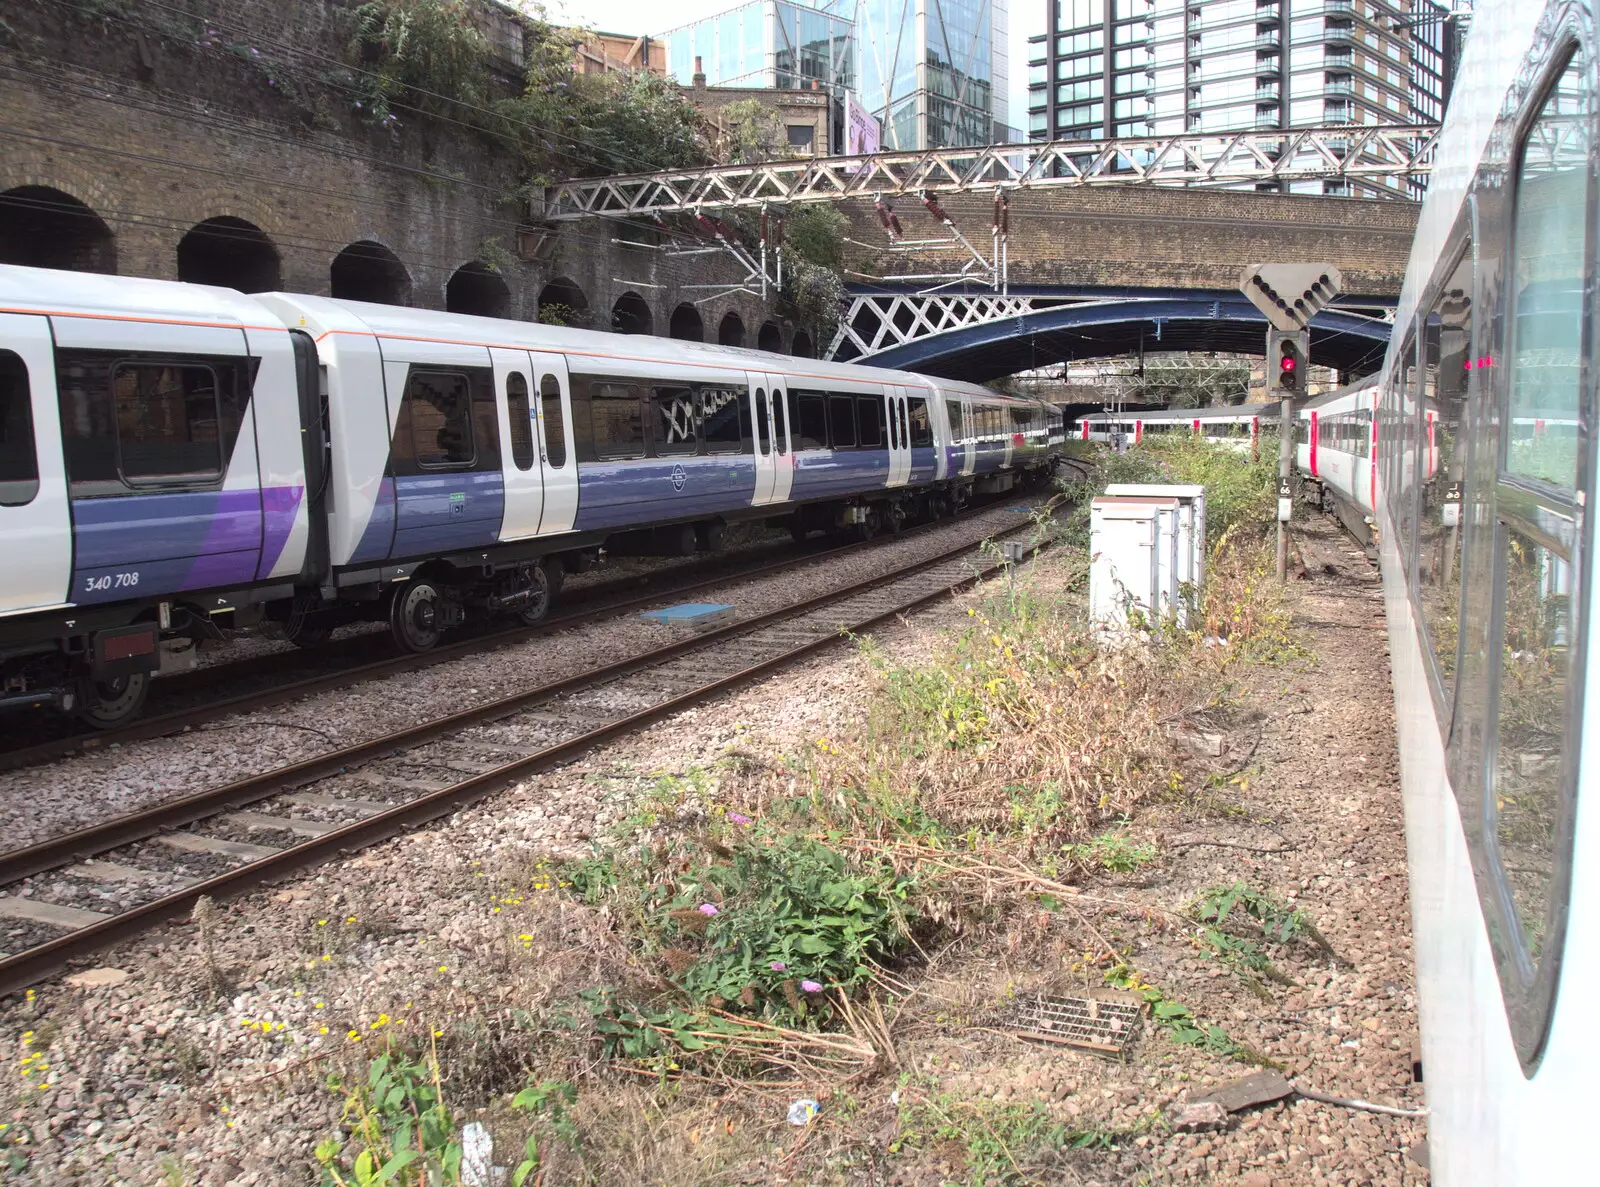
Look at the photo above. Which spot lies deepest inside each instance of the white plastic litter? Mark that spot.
(477, 1156)
(802, 1111)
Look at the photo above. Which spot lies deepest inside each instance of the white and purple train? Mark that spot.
(177, 460)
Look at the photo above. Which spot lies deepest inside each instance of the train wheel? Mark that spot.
(414, 616)
(537, 606)
(869, 526)
(894, 518)
(107, 704)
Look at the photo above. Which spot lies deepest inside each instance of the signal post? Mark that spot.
(1290, 295)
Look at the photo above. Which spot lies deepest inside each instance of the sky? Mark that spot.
(653, 16)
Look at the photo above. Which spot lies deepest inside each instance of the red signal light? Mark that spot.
(1286, 363)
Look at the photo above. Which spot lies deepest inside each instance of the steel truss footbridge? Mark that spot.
(968, 320)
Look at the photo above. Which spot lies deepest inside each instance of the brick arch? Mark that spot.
(86, 185)
(47, 227)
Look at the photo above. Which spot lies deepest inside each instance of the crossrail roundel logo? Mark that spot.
(679, 477)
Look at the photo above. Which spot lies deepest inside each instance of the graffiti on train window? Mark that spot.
(672, 415)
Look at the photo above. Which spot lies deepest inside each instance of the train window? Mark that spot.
(555, 426)
(842, 421)
(900, 413)
(19, 461)
(1547, 329)
(168, 420)
(1445, 351)
(435, 420)
(780, 433)
(672, 420)
(808, 414)
(721, 420)
(1022, 418)
(869, 418)
(617, 415)
(921, 425)
(521, 421)
(763, 434)
(1533, 759)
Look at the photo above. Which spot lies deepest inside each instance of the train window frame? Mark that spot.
(16, 391)
(732, 396)
(611, 451)
(405, 430)
(880, 438)
(841, 400)
(682, 394)
(1528, 990)
(802, 423)
(921, 434)
(555, 442)
(523, 453)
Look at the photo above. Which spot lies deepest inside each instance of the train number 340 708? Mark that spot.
(111, 581)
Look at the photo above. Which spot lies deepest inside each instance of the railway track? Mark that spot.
(265, 826)
(196, 683)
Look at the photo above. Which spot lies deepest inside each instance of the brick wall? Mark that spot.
(158, 124)
(1159, 238)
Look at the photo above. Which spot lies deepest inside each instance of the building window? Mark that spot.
(802, 136)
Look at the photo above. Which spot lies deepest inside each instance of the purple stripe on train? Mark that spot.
(138, 546)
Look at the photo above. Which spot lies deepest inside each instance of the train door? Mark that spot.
(35, 525)
(551, 400)
(968, 438)
(761, 429)
(519, 459)
(782, 438)
(899, 438)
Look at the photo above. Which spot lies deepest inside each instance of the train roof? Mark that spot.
(49, 291)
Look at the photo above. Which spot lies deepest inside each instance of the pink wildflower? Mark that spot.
(810, 987)
(707, 909)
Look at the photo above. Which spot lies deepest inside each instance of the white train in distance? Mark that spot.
(1471, 455)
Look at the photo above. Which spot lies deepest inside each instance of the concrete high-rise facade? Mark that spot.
(1116, 68)
(933, 72)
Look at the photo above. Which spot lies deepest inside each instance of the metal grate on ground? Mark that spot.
(1106, 1021)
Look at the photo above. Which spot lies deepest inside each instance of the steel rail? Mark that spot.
(178, 720)
(34, 964)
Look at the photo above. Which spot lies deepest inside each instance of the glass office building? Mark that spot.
(768, 43)
(1116, 68)
(934, 72)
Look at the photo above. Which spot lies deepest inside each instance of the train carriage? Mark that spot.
(178, 460)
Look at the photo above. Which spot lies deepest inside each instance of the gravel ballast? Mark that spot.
(208, 1065)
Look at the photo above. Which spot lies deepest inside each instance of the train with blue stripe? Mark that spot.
(178, 461)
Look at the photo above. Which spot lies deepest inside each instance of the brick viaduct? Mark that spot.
(207, 148)
(1154, 238)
